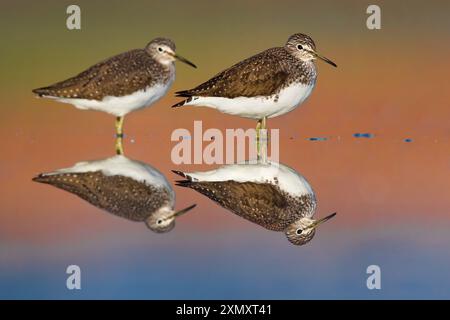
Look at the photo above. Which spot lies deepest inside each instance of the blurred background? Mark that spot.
(391, 189)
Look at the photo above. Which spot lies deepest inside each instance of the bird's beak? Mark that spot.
(182, 59)
(320, 221)
(182, 211)
(324, 58)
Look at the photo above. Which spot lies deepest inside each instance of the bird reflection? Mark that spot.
(271, 195)
(127, 188)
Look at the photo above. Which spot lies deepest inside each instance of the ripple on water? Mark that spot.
(318, 139)
(363, 135)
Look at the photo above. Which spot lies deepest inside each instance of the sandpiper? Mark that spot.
(127, 188)
(271, 195)
(263, 86)
(126, 82)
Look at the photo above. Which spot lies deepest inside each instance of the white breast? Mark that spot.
(121, 165)
(258, 107)
(288, 179)
(120, 106)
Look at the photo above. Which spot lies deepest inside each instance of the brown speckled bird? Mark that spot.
(263, 86)
(271, 195)
(126, 82)
(126, 188)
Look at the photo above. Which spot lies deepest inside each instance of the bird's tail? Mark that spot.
(59, 180)
(184, 183)
(184, 94)
(54, 179)
(179, 104)
(69, 182)
(44, 91)
(187, 183)
(43, 178)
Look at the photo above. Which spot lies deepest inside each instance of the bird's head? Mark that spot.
(303, 230)
(303, 48)
(163, 220)
(163, 51)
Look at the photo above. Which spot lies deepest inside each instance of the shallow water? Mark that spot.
(389, 185)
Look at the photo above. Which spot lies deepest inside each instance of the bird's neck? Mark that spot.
(168, 71)
(304, 72)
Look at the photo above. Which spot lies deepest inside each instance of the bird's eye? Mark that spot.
(299, 231)
(160, 49)
(299, 47)
(159, 221)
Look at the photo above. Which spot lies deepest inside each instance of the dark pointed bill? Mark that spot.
(324, 219)
(182, 211)
(325, 59)
(182, 59)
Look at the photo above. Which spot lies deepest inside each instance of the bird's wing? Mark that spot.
(258, 75)
(120, 75)
(119, 195)
(258, 202)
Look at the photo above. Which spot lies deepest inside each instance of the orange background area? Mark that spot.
(392, 83)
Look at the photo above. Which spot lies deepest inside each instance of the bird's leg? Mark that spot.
(264, 141)
(258, 128)
(264, 123)
(119, 146)
(119, 135)
(267, 130)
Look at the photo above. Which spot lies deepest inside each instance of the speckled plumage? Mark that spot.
(264, 77)
(117, 76)
(119, 195)
(262, 203)
(264, 74)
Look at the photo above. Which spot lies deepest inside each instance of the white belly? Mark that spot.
(123, 166)
(120, 106)
(287, 179)
(257, 107)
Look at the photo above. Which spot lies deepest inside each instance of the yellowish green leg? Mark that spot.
(258, 128)
(263, 147)
(264, 126)
(119, 135)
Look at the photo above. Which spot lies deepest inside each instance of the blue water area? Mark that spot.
(363, 135)
(408, 140)
(318, 139)
(252, 264)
